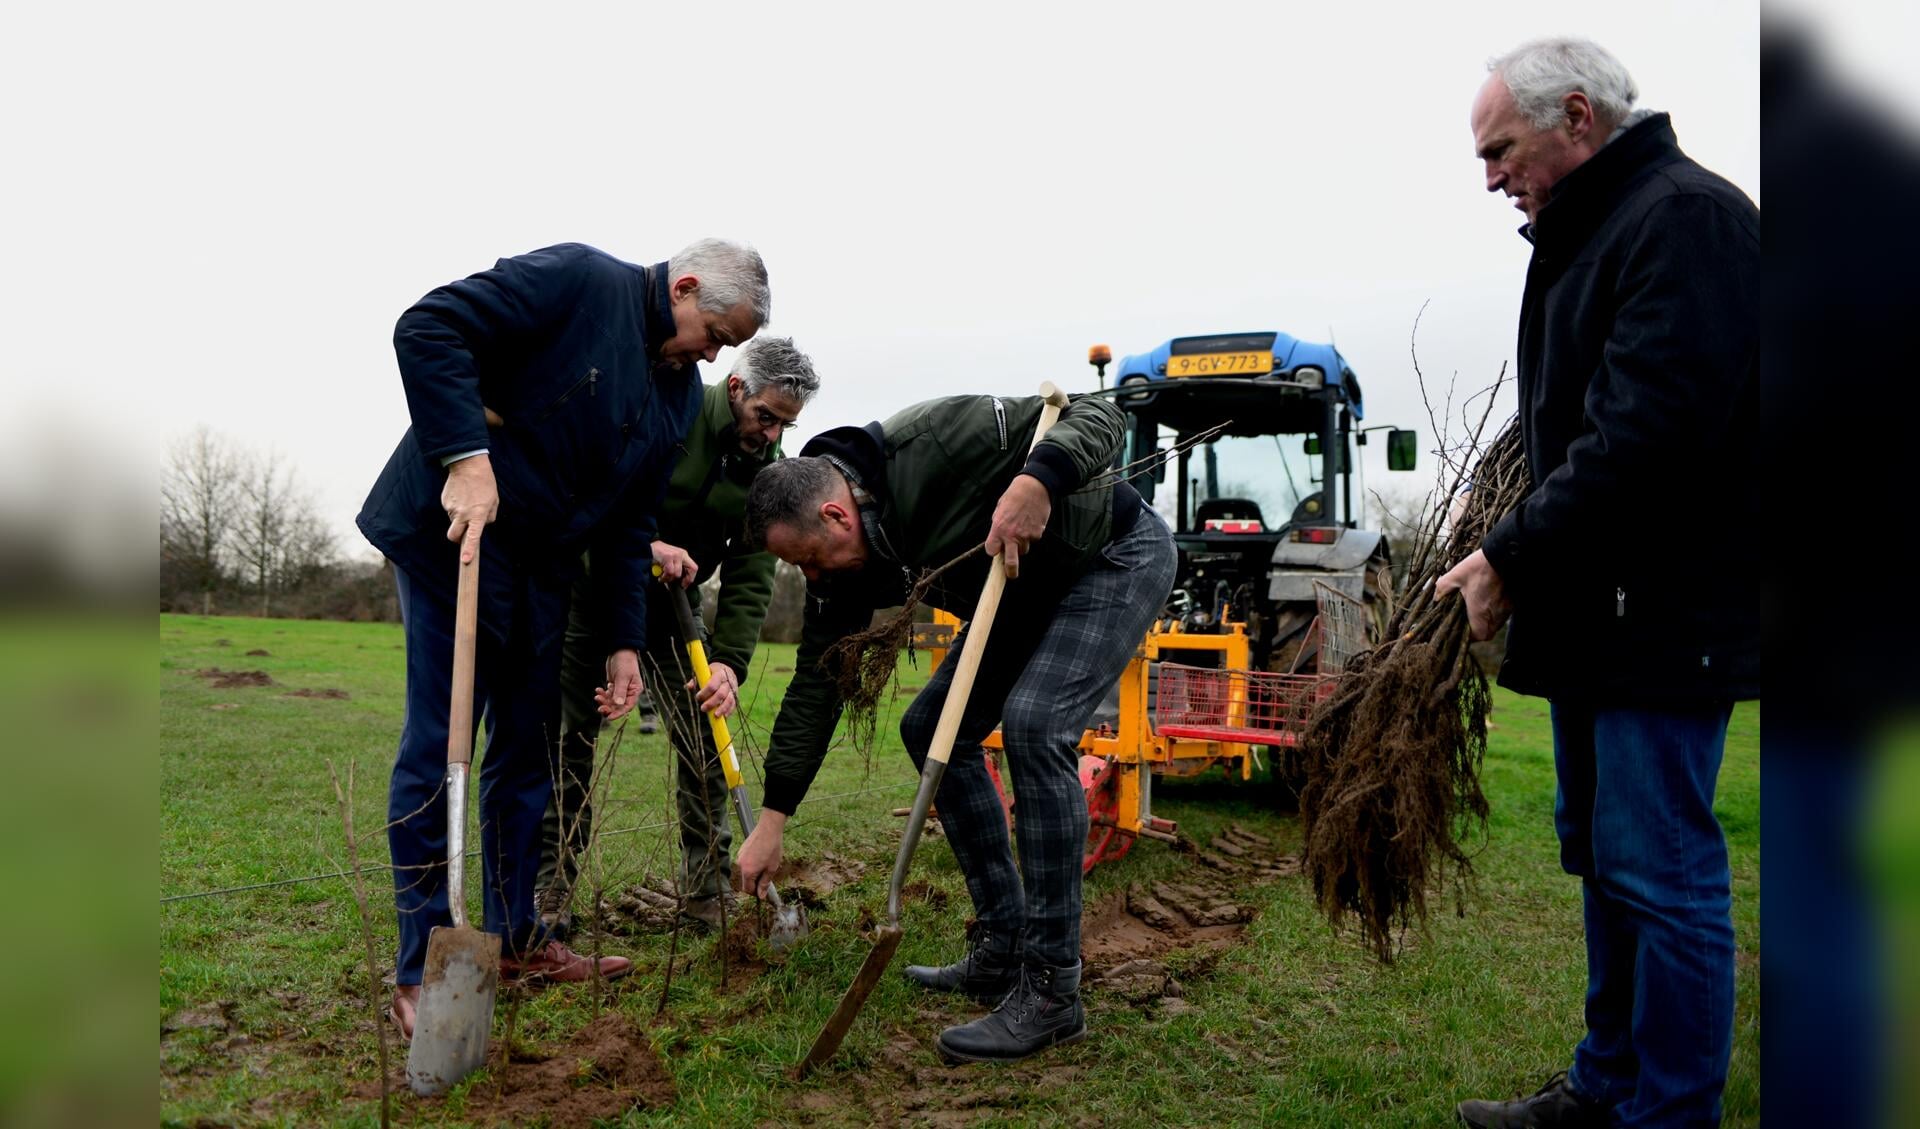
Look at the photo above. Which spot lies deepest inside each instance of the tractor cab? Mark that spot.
(1244, 441)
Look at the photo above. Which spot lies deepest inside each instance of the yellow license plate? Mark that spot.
(1220, 364)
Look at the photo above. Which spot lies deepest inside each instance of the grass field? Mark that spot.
(263, 993)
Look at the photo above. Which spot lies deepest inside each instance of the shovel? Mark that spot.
(463, 964)
(887, 941)
(789, 924)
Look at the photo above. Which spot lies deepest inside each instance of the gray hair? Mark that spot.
(730, 274)
(773, 362)
(1542, 73)
(788, 493)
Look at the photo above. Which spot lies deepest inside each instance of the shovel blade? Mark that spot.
(788, 929)
(456, 1008)
(828, 1041)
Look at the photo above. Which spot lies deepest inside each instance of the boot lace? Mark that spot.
(1022, 1003)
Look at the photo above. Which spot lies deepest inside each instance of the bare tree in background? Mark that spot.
(1400, 508)
(264, 490)
(279, 540)
(199, 508)
(788, 606)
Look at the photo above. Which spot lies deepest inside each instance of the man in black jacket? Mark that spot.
(586, 366)
(1629, 569)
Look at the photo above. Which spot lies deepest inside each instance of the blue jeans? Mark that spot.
(517, 686)
(1635, 818)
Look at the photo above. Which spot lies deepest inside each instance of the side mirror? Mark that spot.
(1403, 449)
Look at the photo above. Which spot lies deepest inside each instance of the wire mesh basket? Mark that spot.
(1250, 707)
(1342, 627)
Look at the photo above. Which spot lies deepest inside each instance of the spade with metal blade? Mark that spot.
(789, 921)
(463, 963)
(887, 940)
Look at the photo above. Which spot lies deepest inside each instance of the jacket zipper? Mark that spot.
(1000, 420)
(591, 380)
(1619, 603)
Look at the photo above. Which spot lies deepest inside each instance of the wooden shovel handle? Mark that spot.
(466, 617)
(983, 612)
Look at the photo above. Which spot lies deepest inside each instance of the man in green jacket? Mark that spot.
(863, 513)
(735, 436)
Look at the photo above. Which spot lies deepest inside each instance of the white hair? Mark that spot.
(773, 362)
(730, 274)
(1542, 73)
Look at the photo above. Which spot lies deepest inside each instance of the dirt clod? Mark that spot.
(259, 653)
(1148, 909)
(811, 880)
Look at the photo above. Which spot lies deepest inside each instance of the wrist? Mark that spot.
(776, 821)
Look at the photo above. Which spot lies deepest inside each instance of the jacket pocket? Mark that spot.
(589, 380)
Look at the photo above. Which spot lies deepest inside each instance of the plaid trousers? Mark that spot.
(1048, 664)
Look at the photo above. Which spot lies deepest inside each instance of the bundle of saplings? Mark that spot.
(1392, 757)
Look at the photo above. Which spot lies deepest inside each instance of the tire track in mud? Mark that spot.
(1126, 936)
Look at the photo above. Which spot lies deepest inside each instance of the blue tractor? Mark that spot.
(1273, 501)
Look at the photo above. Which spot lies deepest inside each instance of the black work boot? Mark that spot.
(1556, 1103)
(986, 974)
(1043, 1010)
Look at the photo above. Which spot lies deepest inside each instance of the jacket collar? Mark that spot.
(656, 312)
(859, 453)
(1587, 195)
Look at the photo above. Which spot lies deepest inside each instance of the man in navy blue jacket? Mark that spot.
(586, 367)
(1628, 569)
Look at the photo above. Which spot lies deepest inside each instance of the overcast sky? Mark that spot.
(241, 200)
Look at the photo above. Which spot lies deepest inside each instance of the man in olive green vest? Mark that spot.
(736, 434)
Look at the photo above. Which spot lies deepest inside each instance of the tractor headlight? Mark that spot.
(1310, 375)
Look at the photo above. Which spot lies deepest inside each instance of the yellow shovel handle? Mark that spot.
(702, 674)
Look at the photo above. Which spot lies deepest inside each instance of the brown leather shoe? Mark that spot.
(555, 963)
(406, 1005)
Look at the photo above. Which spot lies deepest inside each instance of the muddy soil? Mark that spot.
(1127, 936)
(1131, 942)
(329, 693)
(234, 679)
(606, 1069)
